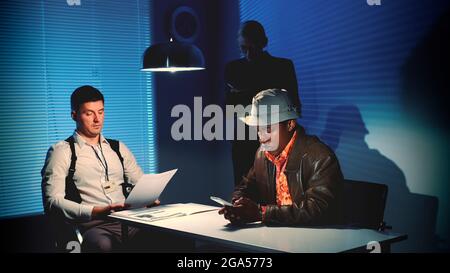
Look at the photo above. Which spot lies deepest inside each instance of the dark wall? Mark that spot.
(204, 167)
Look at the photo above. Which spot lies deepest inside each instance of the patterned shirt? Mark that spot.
(283, 196)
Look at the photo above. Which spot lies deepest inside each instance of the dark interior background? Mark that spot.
(387, 119)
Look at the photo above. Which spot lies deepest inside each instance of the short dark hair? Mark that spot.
(254, 31)
(85, 93)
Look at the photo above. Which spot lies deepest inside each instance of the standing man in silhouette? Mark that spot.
(245, 77)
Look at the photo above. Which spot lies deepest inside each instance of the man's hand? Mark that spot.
(244, 210)
(229, 214)
(247, 210)
(101, 212)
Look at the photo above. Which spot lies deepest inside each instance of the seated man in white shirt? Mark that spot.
(99, 185)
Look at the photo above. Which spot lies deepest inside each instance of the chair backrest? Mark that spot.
(364, 204)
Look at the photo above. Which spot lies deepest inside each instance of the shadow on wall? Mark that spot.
(410, 213)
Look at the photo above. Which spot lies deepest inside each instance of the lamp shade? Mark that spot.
(172, 57)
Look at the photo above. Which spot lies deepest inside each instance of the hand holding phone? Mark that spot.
(221, 201)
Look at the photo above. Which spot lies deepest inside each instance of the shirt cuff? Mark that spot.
(86, 212)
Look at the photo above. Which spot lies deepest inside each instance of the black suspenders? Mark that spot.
(126, 186)
(72, 192)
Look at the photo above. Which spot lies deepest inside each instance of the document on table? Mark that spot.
(148, 189)
(164, 211)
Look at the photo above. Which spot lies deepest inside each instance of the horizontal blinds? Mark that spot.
(49, 48)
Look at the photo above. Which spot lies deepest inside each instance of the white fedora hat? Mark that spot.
(269, 107)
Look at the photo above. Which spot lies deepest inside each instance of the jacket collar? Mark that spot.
(297, 151)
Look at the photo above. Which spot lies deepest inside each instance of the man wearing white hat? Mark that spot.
(295, 179)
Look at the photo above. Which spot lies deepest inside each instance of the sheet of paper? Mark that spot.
(148, 189)
(164, 211)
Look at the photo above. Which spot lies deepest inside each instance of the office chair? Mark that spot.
(364, 204)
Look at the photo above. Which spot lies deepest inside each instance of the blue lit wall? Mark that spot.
(371, 82)
(49, 48)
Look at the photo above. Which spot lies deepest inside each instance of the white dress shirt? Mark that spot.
(89, 176)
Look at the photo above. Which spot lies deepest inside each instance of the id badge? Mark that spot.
(109, 187)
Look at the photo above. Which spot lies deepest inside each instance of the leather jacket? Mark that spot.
(315, 184)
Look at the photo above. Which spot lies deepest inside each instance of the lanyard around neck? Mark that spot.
(104, 164)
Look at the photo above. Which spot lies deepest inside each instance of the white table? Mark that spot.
(256, 237)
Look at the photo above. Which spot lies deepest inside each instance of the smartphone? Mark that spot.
(221, 201)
